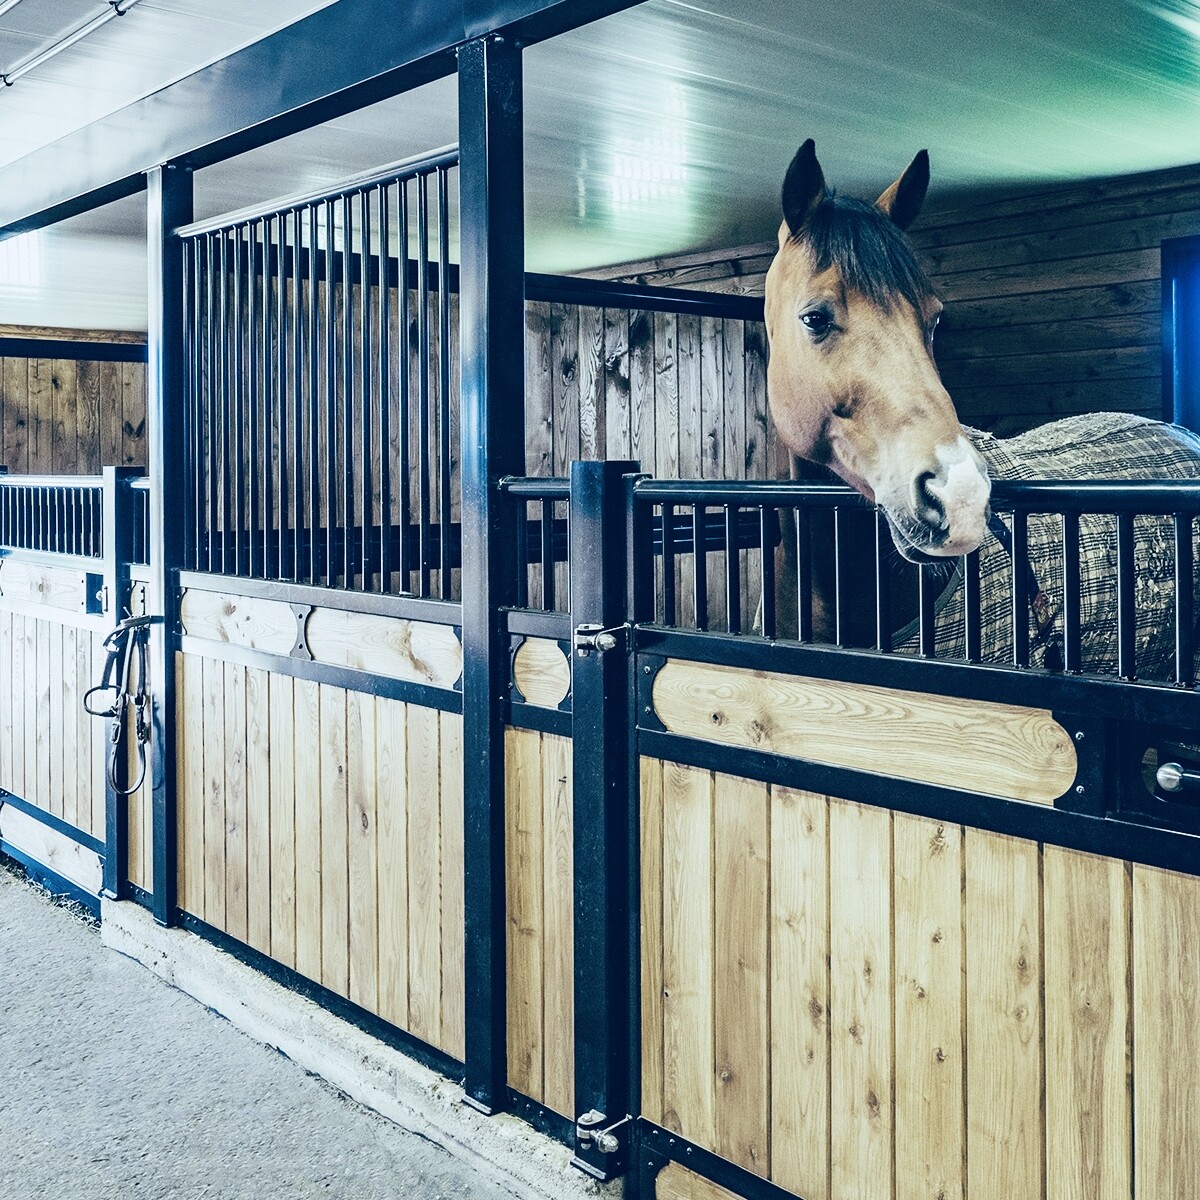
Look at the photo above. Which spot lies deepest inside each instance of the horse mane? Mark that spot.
(868, 250)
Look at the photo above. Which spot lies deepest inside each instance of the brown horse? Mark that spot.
(852, 383)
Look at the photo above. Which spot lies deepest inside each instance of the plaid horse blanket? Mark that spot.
(1095, 446)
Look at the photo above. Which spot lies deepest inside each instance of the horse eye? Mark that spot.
(816, 322)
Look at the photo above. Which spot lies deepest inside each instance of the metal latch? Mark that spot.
(598, 638)
(1174, 779)
(591, 1130)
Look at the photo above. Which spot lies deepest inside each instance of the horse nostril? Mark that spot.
(929, 508)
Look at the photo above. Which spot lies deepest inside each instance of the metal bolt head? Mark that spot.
(1080, 789)
(646, 669)
(1079, 735)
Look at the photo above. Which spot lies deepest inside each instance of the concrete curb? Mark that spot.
(501, 1148)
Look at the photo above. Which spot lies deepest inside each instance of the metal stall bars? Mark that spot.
(321, 393)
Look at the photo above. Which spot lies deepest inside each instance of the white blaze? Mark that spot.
(962, 488)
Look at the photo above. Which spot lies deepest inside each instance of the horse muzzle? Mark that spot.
(944, 512)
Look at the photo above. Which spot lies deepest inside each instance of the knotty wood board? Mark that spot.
(542, 672)
(413, 650)
(1000, 750)
(53, 587)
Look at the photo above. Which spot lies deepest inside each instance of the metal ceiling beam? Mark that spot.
(349, 55)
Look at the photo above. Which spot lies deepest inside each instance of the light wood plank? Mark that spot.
(52, 849)
(414, 650)
(741, 856)
(62, 803)
(247, 621)
(860, 997)
(306, 700)
(362, 788)
(236, 915)
(1166, 1036)
(676, 1182)
(523, 842)
(558, 913)
(689, 1068)
(1004, 1019)
(258, 810)
(1005, 750)
(334, 856)
(1089, 1109)
(800, 992)
(651, 781)
(929, 1008)
(213, 676)
(391, 803)
(541, 672)
(454, 984)
(189, 717)
(424, 875)
(280, 705)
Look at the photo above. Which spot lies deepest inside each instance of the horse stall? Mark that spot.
(481, 676)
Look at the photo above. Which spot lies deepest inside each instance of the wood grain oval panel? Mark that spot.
(412, 650)
(996, 749)
(54, 587)
(266, 625)
(541, 672)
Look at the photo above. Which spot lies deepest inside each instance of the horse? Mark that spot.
(854, 389)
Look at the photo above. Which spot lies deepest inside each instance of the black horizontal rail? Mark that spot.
(70, 349)
(607, 293)
(553, 488)
(407, 168)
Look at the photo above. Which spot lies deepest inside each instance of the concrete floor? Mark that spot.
(114, 1084)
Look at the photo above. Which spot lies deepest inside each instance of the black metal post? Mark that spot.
(169, 206)
(117, 539)
(492, 334)
(602, 797)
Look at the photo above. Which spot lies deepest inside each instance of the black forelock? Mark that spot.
(868, 250)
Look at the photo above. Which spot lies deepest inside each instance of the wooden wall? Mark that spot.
(68, 416)
(1052, 298)
(863, 1005)
(323, 827)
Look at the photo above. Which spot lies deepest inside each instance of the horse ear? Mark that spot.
(803, 187)
(903, 200)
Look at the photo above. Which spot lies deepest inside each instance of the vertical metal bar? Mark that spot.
(548, 555)
(733, 572)
(366, 433)
(841, 578)
(670, 615)
(804, 581)
(313, 341)
(254, 453)
(330, 397)
(268, 399)
(238, 404)
(767, 523)
(223, 449)
(1072, 599)
(1020, 588)
(348, 396)
(423, 422)
(1185, 606)
(1126, 610)
(972, 608)
(926, 594)
(883, 583)
(169, 206)
(699, 566)
(404, 412)
(492, 425)
(296, 396)
(283, 490)
(117, 509)
(386, 525)
(604, 803)
(444, 513)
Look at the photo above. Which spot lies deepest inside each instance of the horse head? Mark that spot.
(852, 383)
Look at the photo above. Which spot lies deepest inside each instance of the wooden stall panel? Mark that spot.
(323, 827)
(51, 751)
(1004, 750)
(859, 1003)
(540, 902)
